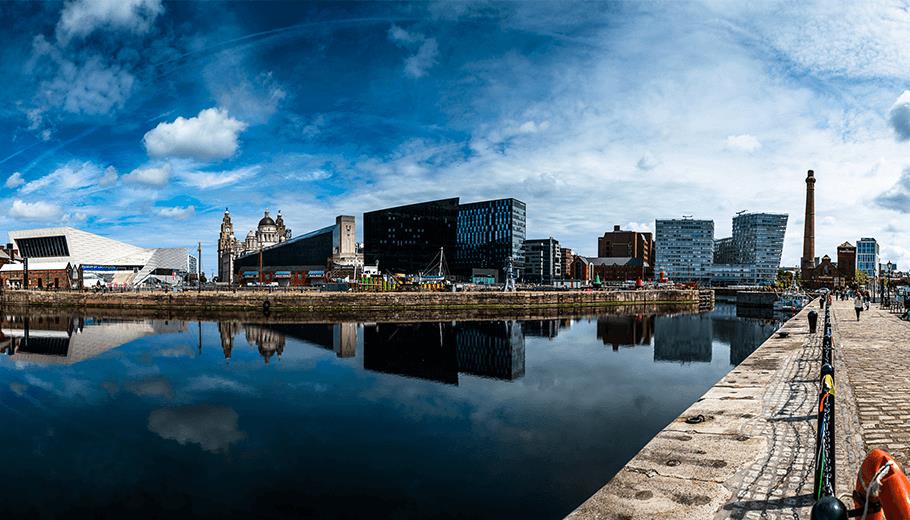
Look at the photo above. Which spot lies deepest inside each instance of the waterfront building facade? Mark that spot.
(45, 275)
(826, 274)
(758, 240)
(488, 233)
(684, 249)
(867, 257)
(542, 261)
(725, 251)
(116, 263)
(303, 260)
(626, 244)
(568, 261)
(619, 269)
(846, 260)
(406, 239)
(269, 232)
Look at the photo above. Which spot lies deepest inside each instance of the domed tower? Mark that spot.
(267, 232)
(283, 232)
(227, 245)
(250, 244)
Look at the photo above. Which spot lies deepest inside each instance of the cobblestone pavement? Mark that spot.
(876, 354)
(752, 456)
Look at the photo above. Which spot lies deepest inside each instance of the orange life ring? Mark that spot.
(882, 488)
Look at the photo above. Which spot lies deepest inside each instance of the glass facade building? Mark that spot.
(867, 258)
(684, 249)
(542, 261)
(406, 239)
(758, 239)
(488, 233)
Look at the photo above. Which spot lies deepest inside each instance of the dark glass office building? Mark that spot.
(489, 232)
(406, 239)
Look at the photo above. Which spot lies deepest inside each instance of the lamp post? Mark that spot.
(890, 269)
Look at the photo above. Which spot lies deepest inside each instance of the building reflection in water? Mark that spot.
(67, 340)
(544, 328)
(269, 341)
(421, 350)
(689, 338)
(743, 335)
(625, 331)
(683, 338)
(340, 338)
(432, 350)
(440, 351)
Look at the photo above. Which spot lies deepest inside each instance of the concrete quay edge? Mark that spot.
(739, 461)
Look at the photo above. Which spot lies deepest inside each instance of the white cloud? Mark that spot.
(71, 177)
(213, 428)
(210, 180)
(178, 212)
(210, 135)
(424, 56)
(647, 162)
(88, 83)
(75, 217)
(80, 18)
(252, 98)
(14, 181)
(899, 116)
(156, 176)
(742, 143)
(39, 210)
(109, 178)
(417, 65)
(399, 35)
(858, 39)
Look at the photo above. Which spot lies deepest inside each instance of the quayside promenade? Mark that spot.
(746, 448)
(341, 303)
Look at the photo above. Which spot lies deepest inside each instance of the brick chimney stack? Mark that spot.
(808, 260)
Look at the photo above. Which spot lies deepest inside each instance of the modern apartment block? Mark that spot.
(725, 251)
(758, 239)
(488, 233)
(867, 258)
(684, 249)
(542, 260)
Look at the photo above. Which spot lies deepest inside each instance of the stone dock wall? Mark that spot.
(340, 302)
(745, 449)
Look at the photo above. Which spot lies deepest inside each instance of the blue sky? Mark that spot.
(142, 120)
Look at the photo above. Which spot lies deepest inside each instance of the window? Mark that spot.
(40, 247)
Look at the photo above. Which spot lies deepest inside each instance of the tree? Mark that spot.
(784, 278)
(861, 277)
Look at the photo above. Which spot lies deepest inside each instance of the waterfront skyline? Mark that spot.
(321, 110)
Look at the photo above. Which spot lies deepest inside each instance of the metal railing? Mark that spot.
(827, 505)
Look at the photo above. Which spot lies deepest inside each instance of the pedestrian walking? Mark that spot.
(858, 305)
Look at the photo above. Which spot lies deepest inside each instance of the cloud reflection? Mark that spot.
(213, 428)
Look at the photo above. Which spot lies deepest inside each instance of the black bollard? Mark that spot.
(829, 508)
(813, 321)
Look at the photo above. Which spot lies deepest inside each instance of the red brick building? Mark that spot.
(50, 276)
(629, 244)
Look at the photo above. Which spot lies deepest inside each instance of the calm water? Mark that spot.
(115, 417)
